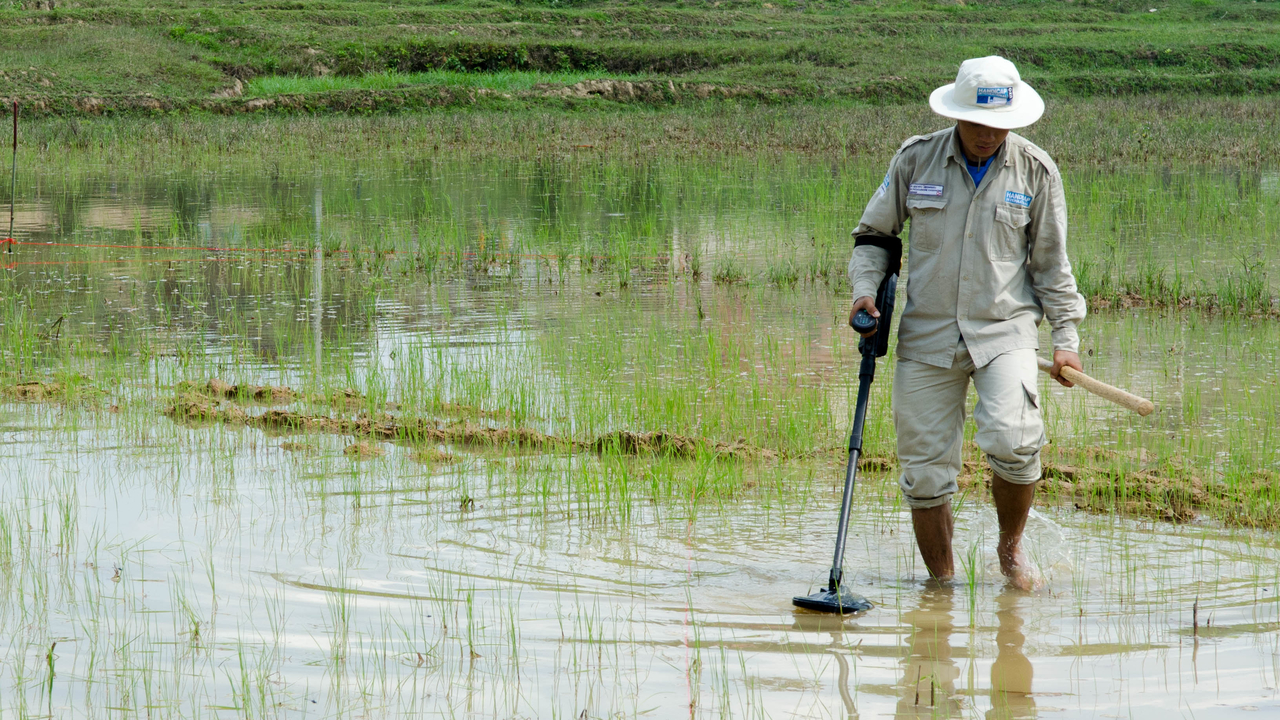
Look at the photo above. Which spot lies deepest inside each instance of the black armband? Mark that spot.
(891, 245)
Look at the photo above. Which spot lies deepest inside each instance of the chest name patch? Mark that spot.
(926, 190)
(1017, 198)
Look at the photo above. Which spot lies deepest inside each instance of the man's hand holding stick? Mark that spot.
(1069, 374)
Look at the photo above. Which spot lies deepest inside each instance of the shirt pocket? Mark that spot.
(1009, 233)
(926, 223)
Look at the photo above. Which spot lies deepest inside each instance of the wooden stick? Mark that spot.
(1142, 406)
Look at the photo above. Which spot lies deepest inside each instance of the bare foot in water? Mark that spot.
(1021, 572)
(1013, 503)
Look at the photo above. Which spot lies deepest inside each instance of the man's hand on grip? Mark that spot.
(868, 303)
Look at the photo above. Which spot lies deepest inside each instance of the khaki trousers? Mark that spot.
(928, 414)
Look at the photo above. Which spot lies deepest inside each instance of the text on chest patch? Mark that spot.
(922, 189)
(1017, 198)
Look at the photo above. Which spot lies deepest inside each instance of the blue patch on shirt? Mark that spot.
(884, 185)
(922, 189)
(1017, 198)
(990, 97)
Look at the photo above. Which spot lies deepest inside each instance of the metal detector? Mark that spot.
(837, 598)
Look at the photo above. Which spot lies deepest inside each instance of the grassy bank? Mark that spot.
(1080, 134)
(134, 55)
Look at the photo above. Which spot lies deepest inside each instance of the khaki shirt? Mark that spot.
(986, 264)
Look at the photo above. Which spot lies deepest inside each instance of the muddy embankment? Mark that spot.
(1132, 484)
(206, 404)
(1091, 479)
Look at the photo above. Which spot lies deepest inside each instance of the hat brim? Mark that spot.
(1028, 110)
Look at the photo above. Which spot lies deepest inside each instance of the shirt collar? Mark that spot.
(955, 153)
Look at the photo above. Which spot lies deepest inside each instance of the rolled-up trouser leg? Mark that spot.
(928, 415)
(1010, 428)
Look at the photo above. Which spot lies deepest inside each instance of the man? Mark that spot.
(988, 261)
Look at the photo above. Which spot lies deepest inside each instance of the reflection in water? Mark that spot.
(928, 671)
(846, 697)
(807, 622)
(1011, 673)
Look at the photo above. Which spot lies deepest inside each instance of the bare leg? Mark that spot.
(1013, 503)
(933, 528)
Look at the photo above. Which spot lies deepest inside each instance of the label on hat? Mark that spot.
(990, 97)
(1017, 198)
(929, 190)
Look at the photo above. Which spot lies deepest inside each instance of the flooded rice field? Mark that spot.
(562, 440)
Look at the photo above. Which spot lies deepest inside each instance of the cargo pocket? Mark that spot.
(1008, 234)
(1032, 422)
(926, 223)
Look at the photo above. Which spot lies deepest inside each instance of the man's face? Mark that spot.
(979, 141)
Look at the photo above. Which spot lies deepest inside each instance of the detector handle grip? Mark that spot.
(863, 323)
(877, 345)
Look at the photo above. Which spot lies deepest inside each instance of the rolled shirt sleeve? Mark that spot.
(883, 217)
(866, 270)
(1051, 276)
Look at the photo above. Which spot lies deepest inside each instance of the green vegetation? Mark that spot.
(400, 522)
(534, 403)
(501, 81)
(179, 55)
(736, 235)
(1082, 135)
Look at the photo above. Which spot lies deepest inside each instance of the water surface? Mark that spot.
(202, 569)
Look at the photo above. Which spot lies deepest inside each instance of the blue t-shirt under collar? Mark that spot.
(977, 172)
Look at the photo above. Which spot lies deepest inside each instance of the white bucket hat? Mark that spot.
(988, 91)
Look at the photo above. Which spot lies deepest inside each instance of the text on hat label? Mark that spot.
(994, 96)
(920, 189)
